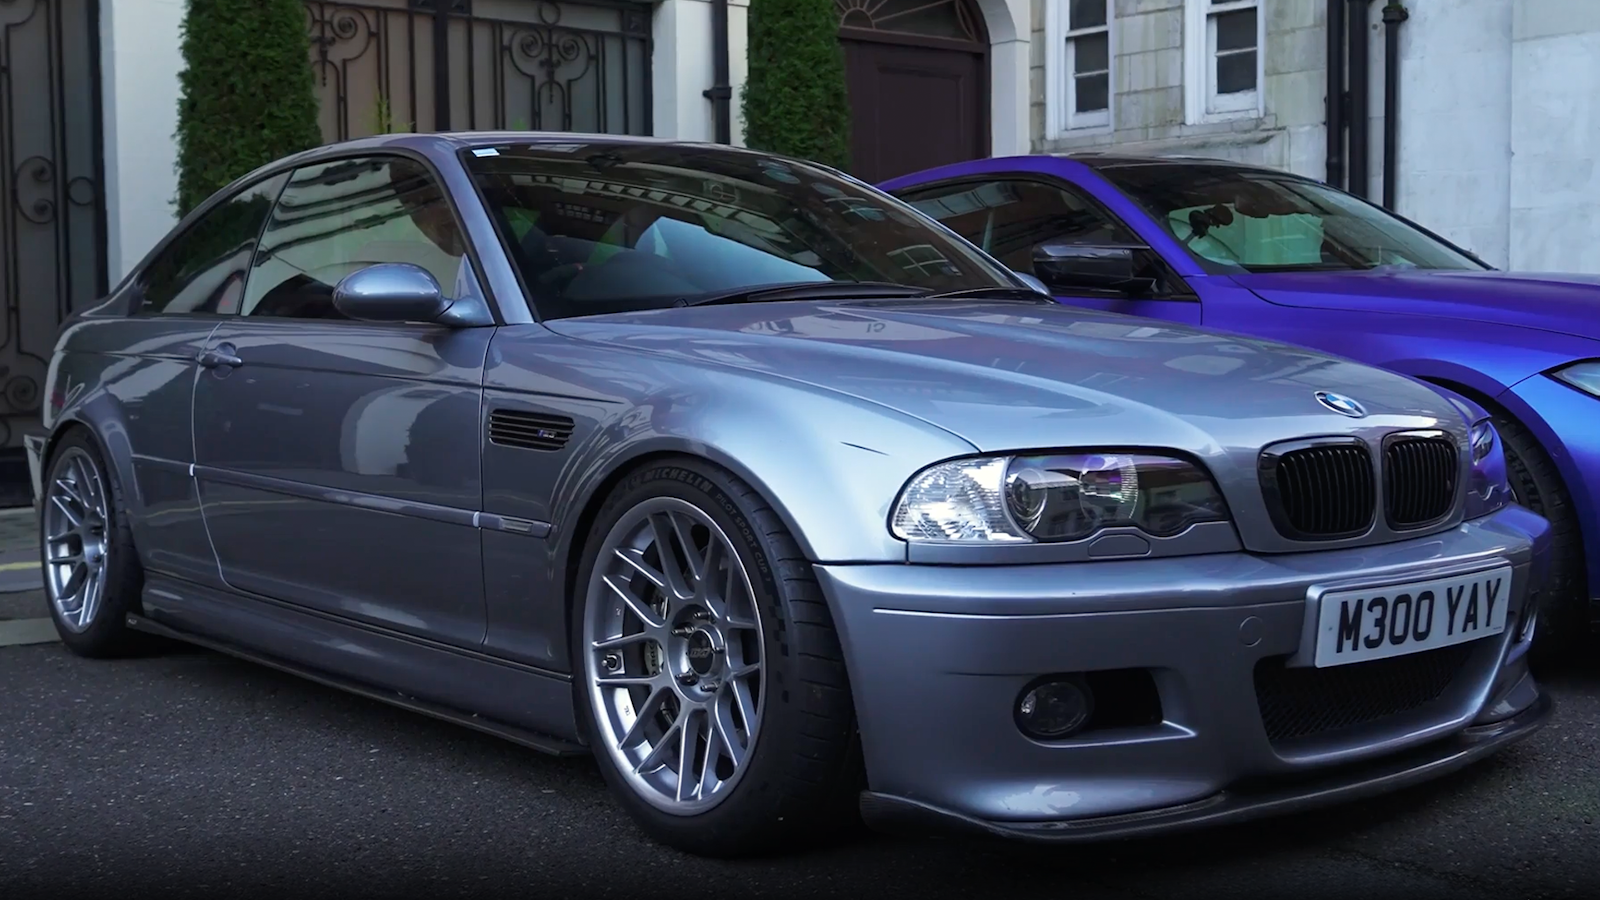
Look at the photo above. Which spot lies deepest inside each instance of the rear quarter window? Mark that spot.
(203, 269)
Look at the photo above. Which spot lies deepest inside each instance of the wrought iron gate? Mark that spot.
(459, 65)
(52, 214)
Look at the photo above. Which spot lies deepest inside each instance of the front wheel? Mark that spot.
(710, 678)
(1536, 484)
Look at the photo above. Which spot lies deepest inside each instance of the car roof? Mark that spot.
(1114, 160)
(451, 142)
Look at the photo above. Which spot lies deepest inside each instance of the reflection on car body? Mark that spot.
(436, 419)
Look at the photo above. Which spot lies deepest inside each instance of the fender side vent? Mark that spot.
(528, 430)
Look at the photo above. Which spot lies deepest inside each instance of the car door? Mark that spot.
(176, 299)
(338, 461)
(1014, 216)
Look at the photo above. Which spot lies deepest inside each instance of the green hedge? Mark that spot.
(248, 94)
(794, 96)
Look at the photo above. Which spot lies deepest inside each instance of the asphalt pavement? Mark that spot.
(192, 774)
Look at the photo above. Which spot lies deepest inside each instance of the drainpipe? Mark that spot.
(721, 92)
(1393, 14)
(1360, 79)
(1336, 95)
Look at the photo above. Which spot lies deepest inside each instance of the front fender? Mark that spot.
(830, 466)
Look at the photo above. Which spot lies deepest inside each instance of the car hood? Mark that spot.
(1565, 304)
(1009, 376)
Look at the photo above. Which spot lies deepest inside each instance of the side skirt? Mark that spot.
(510, 701)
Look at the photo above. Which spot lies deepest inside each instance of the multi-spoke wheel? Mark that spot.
(696, 606)
(674, 661)
(74, 538)
(91, 574)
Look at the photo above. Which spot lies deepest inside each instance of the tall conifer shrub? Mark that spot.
(247, 92)
(794, 99)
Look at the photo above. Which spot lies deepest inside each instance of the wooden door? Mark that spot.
(918, 83)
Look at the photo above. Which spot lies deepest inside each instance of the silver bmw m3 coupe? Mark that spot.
(778, 498)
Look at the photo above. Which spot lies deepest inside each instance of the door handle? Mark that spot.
(223, 355)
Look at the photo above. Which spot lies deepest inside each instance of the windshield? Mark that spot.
(616, 227)
(1244, 220)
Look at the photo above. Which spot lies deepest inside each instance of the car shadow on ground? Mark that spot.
(248, 681)
(1580, 671)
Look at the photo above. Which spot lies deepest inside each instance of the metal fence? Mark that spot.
(52, 213)
(459, 65)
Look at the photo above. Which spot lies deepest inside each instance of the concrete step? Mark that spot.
(23, 605)
(18, 632)
(19, 551)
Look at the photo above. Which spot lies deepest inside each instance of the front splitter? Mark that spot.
(902, 815)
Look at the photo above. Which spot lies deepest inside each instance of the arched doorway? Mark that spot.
(918, 75)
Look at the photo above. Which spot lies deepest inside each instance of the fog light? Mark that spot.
(1053, 708)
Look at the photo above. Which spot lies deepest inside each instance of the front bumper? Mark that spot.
(938, 655)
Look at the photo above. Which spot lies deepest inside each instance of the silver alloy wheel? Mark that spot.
(74, 539)
(674, 657)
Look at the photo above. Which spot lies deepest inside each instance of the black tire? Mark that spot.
(805, 773)
(1563, 605)
(108, 635)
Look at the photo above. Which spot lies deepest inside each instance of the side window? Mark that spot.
(339, 217)
(203, 269)
(1009, 218)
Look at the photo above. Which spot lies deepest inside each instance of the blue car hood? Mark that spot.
(1563, 304)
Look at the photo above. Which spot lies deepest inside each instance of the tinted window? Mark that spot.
(203, 269)
(339, 217)
(1259, 221)
(1009, 218)
(609, 227)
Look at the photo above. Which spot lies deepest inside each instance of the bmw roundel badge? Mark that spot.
(1341, 404)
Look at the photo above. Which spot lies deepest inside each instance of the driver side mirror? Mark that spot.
(1066, 267)
(390, 292)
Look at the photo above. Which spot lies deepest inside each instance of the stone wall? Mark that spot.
(1148, 89)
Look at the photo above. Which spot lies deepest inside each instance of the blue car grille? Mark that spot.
(1301, 703)
(1419, 480)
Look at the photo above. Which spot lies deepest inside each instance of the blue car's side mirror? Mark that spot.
(1066, 267)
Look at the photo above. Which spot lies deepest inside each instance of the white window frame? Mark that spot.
(1061, 116)
(1202, 103)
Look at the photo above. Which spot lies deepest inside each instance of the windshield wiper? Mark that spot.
(996, 293)
(804, 290)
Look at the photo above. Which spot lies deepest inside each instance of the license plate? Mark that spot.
(1393, 620)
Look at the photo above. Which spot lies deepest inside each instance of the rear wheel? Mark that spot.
(92, 576)
(1536, 484)
(710, 678)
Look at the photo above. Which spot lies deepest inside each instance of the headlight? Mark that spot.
(1585, 376)
(1488, 489)
(1053, 498)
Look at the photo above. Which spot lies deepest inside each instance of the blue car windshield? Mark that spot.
(600, 227)
(1235, 219)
